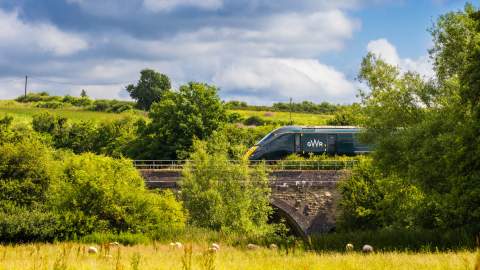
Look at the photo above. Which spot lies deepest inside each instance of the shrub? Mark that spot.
(50, 105)
(77, 101)
(255, 121)
(112, 191)
(225, 196)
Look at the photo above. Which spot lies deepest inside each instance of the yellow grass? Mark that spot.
(297, 118)
(156, 256)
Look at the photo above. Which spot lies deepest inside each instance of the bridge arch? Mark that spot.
(296, 221)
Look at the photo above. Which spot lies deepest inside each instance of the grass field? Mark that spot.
(23, 112)
(155, 256)
(297, 118)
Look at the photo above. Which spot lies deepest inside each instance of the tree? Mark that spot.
(194, 112)
(225, 196)
(83, 94)
(149, 89)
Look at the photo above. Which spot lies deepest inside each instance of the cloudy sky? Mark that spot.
(259, 51)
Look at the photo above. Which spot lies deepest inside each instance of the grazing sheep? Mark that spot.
(349, 247)
(367, 249)
(215, 246)
(114, 244)
(273, 246)
(92, 250)
(252, 246)
(178, 245)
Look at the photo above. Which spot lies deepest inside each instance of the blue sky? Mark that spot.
(259, 51)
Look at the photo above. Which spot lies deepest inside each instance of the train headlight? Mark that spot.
(250, 152)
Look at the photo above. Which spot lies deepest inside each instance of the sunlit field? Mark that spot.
(156, 256)
(24, 112)
(297, 118)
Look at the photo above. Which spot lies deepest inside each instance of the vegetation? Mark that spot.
(149, 89)
(156, 256)
(225, 196)
(424, 172)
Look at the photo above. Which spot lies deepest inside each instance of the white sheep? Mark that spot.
(215, 246)
(367, 249)
(252, 246)
(178, 245)
(92, 250)
(349, 247)
(273, 246)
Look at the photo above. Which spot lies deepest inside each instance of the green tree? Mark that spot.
(149, 89)
(225, 196)
(83, 94)
(195, 111)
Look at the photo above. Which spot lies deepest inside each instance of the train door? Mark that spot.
(331, 144)
(298, 145)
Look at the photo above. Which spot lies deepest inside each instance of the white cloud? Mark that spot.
(385, 50)
(42, 37)
(277, 79)
(168, 5)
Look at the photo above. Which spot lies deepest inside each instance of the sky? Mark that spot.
(258, 51)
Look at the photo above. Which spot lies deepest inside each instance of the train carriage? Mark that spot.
(331, 140)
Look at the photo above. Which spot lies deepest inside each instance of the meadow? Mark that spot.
(297, 118)
(23, 112)
(160, 256)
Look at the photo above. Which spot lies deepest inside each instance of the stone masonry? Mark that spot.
(306, 199)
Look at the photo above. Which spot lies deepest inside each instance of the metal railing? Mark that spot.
(270, 164)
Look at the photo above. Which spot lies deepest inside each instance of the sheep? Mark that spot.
(273, 246)
(114, 244)
(178, 245)
(367, 249)
(252, 246)
(349, 247)
(215, 246)
(92, 250)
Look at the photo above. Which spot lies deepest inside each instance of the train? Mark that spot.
(330, 140)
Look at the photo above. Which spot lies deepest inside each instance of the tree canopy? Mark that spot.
(149, 89)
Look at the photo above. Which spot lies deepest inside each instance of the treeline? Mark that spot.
(44, 100)
(304, 107)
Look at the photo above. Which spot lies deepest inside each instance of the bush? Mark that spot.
(113, 192)
(26, 225)
(37, 97)
(77, 101)
(255, 121)
(50, 105)
(225, 196)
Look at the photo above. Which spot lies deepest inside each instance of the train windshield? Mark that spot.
(266, 138)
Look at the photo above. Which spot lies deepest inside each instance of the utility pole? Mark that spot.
(26, 82)
(291, 111)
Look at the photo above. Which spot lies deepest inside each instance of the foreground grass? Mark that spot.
(156, 256)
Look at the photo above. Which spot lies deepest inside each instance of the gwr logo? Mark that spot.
(315, 143)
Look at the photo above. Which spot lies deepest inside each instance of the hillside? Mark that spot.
(24, 111)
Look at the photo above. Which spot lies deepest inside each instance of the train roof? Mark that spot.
(318, 129)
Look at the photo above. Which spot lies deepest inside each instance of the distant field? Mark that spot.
(298, 118)
(24, 112)
(74, 256)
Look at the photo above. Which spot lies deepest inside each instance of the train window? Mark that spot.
(266, 138)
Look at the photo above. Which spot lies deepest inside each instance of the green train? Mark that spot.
(331, 140)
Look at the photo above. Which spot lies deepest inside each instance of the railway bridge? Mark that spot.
(304, 193)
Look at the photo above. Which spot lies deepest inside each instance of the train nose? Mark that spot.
(250, 152)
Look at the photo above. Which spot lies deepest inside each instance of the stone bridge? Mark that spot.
(306, 199)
